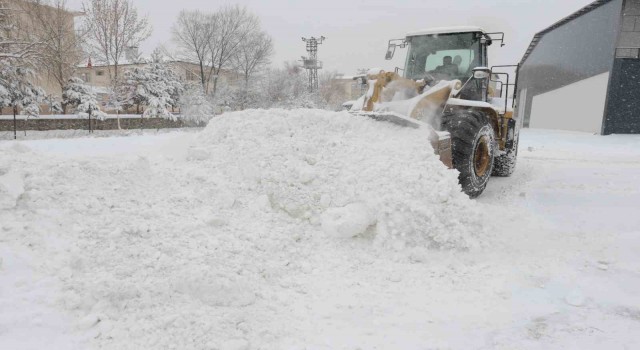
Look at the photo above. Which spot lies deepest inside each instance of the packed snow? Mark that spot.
(309, 229)
(81, 136)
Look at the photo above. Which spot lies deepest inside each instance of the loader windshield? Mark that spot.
(443, 56)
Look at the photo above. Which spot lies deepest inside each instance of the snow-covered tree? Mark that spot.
(31, 101)
(118, 100)
(157, 87)
(5, 95)
(60, 41)
(132, 90)
(17, 91)
(167, 76)
(160, 91)
(79, 95)
(89, 107)
(18, 55)
(55, 106)
(157, 107)
(195, 106)
(31, 110)
(73, 91)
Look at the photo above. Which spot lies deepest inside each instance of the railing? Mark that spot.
(508, 84)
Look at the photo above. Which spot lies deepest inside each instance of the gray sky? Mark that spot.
(357, 31)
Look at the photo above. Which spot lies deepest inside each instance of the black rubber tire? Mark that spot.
(505, 164)
(471, 135)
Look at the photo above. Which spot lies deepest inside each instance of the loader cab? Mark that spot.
(445, 54)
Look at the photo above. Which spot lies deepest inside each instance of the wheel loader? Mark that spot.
(447, 87)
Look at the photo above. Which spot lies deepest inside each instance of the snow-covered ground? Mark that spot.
(68, 134)
(239, 237)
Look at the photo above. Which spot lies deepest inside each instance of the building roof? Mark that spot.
(446, 30)
(536, 38)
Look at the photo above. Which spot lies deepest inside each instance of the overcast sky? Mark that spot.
(357, 31)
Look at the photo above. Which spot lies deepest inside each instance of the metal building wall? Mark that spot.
(622, 115)
(581, 48)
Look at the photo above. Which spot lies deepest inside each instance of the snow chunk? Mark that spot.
(347, 222)
(341, 172)
(11, 188)
(576, 298)
(197, 154)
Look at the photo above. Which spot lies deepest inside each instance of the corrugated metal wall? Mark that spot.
(581, 48)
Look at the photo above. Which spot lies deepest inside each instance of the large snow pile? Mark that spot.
(234, 240)
(349, 175)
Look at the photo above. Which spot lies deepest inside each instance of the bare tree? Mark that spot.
(16, 46)
(333, 92)
(253, 53)
(53, 26)
(113, 27)
(214, 40)
(230, 27)
(192, 32)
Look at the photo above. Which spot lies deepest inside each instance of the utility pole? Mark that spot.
(311, 63)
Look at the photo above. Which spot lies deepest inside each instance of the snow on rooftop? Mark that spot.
(446, 30)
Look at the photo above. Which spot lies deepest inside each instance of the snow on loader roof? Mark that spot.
(446, 30)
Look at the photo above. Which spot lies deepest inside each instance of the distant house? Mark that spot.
(583, 73)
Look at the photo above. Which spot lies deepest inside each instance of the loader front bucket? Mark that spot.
(441, 143)
(440, 140)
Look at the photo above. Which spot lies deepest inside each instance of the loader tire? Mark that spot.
(505, 164)
(473, 144)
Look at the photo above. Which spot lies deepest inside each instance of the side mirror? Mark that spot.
(481, 73)
(390, 52)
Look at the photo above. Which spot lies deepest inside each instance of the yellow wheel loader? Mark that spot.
(446, 86)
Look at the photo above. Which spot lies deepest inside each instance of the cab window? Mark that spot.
(461, 58)
(427, 55)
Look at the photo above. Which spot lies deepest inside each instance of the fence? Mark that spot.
(73, 122)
